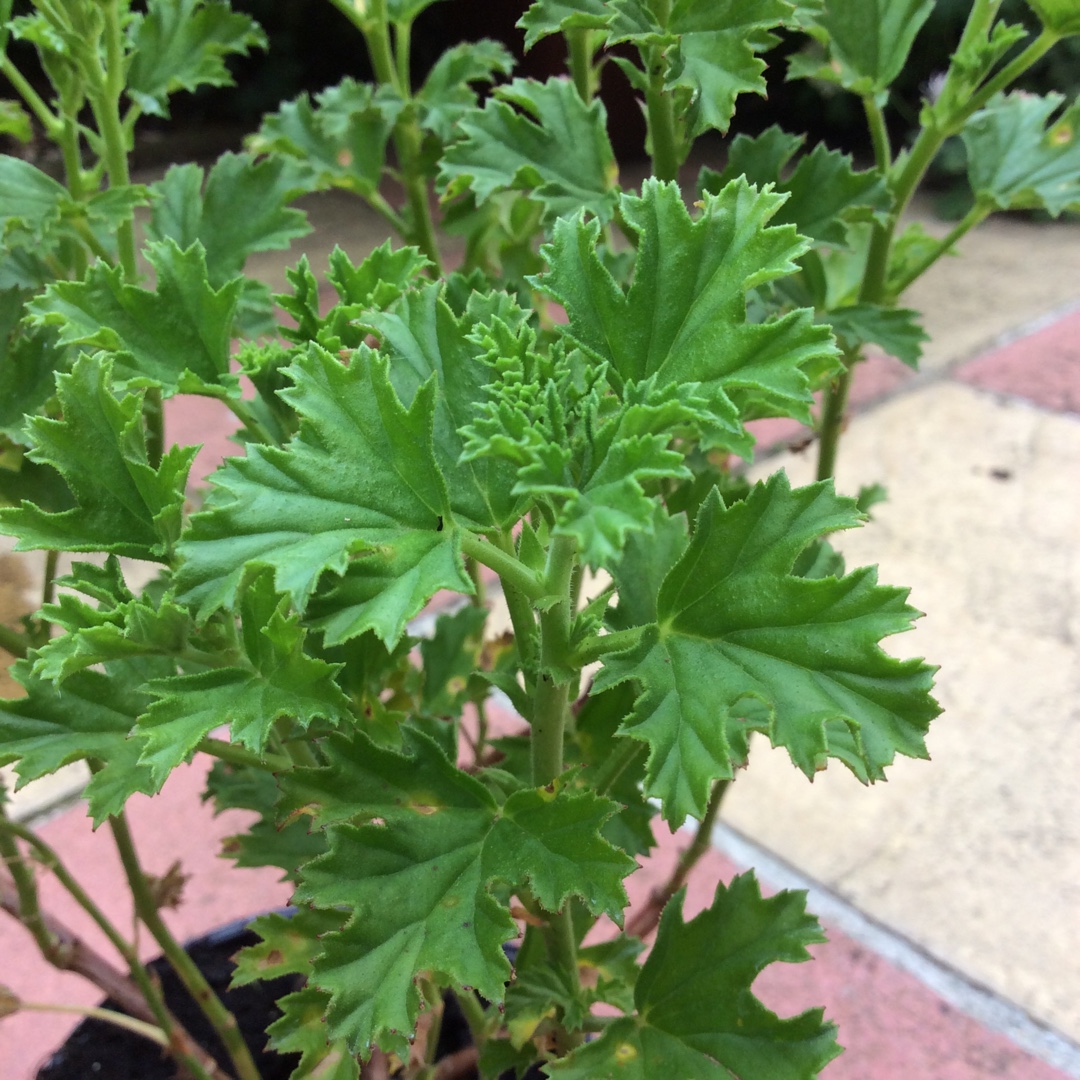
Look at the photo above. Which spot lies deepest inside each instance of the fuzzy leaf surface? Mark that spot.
(281, 681)
(360, 479)
(683, 318)
(190, 206)
(824, 191)
(545, 17)
(184, 325)
(537, 137)
(1020, 158)
(302, 1029)
(447, 93)
(695, 1012)
(339, 140)
(711, 49)
(741, 644)
(182, 45)
(125, 506)
(417, 873)
(90, 716)
(870, 39)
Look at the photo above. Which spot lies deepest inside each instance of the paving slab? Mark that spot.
(974, 855)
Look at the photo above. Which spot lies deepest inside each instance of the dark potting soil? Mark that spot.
(96, 1050)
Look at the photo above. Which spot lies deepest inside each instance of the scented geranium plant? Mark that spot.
(547, 429)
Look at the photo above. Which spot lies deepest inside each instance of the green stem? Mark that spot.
(105, 102)
(255, 428)
(109, 1016)
(26, 888)
(511, 569)
(408, 138)
(579, 41)
(63, 956)
(240, 755)
(978, 213)
(601, 645)
(52, 123)
(551, 704)
(13, 642)
(660, 109)
(879, 133)
(1012, 71)
(222, 1021)
(833, 412)
(154, 418)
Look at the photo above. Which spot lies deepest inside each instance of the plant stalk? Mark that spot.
(579, 43)
(646, 920)
(222, 1021)
(833, 415)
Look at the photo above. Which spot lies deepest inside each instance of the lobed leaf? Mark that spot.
(695, 1013)
(683, 318)
(125, 505)
(358, 490)
(535, 137)
(182, 45)
(182, 328)
(1021, 159)
(741, 644)
(417, 876)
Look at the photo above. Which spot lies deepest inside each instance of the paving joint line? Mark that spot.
(976, 1000)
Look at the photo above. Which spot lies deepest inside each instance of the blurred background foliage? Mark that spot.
(312, 47)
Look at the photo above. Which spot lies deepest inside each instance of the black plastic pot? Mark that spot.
(96, 1050)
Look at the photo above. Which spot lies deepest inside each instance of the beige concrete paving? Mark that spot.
(976, 854)
(1007, 272)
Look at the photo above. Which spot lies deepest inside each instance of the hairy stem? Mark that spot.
(977, 214)
(136, 993)
(109, 1016)
(833, 417)
(222, 1021)
(579, 43)
(646, 920)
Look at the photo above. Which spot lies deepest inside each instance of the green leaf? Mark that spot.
(135, 628)
(450, 656)
(30, 200)
(182, 45)
(360, 480)
(289, 944)
(895, 330)
(186, 210)
(683, 318)
(15, 121)
(447, 93)
(125, 506)
(1021, 159)
(696, 1015)
(551, 145)
(89, 717)
(184, 326)
(267, 841)
(1061, 17)
(742, 644)
(417, 876)
(302, 1029)
(281, 682)
(709, 47)
(546, 17)
(340, 141)
(870, 40)
(824, 192)
(424, 339)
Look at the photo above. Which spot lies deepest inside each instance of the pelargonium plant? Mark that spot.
(555, 427)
